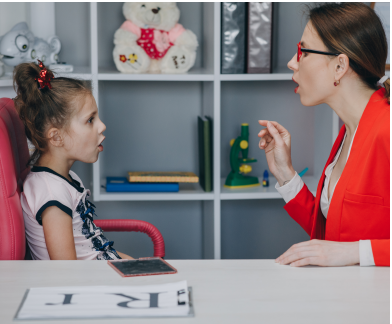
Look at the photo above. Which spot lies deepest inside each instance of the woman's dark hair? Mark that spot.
(40, 109)
(354, 29)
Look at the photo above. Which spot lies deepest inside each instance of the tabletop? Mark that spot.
(224, 291)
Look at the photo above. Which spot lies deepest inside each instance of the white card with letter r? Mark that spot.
(164, 300)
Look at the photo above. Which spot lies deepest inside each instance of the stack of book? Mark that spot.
(246, 37)
(150, 182)
(205, 153)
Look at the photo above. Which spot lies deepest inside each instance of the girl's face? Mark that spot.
(314, 73)
(85, 136)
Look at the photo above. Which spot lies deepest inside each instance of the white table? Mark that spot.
(224, 291)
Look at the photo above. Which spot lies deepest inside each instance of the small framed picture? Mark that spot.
(382, 9)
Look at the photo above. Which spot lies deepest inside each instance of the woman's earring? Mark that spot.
(336, 83)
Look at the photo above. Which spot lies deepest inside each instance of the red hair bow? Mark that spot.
(44, 77)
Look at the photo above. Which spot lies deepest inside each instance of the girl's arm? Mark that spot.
(58, 234)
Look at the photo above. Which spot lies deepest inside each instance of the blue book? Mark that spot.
(121, 184)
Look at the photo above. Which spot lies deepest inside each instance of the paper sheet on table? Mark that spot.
(162, 300)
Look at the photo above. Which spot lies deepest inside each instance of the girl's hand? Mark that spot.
(276, 142)
(124, 256)
(321, 253)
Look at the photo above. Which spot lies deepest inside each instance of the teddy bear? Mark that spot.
(151, 40)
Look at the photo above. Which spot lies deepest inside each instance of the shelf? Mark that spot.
(261, 192)
(188, 191)
(278, 74)
(257, 77)
(110, 74)
(79, 72)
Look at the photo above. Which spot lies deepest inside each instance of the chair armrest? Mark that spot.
(133, 225)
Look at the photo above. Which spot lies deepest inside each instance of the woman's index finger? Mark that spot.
(279, 127)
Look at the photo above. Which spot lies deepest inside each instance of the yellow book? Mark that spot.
(162, 177)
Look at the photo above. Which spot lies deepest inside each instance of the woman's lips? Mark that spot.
(296, 89)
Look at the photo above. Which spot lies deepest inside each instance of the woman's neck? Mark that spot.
(349, 104)
(59, 165)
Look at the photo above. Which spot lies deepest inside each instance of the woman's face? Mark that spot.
(314, 73)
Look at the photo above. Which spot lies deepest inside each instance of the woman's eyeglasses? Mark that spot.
(306, 50)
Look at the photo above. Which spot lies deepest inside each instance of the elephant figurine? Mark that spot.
(20, 45)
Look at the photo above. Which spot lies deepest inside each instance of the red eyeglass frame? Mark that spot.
(307, 50)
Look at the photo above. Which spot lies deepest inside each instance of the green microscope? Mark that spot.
(239, 167)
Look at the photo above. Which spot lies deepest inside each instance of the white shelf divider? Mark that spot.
(94, 81)
(217, 133)
(197, 194)
(193, 75)
(257, 77)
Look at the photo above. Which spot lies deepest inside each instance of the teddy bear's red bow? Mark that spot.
(44, 77)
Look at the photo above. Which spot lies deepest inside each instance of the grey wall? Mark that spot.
(289, 23)
(73, 29)
(257, 229)
(151, 126)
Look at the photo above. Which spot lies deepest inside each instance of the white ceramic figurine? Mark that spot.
(20, 45)
(151, 40)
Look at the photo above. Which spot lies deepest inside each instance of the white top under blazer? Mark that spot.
(291, 189)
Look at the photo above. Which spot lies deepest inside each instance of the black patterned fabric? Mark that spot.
(100, 243)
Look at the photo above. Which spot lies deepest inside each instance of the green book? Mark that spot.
(205, 153)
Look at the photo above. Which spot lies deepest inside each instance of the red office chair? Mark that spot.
(14, 155)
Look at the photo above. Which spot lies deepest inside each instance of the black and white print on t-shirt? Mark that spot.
(99, 242)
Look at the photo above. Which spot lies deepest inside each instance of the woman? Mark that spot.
(341, 62)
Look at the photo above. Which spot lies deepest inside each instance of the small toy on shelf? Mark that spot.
(20, 45)
(266, 179)
(236, 179)
(151, 40)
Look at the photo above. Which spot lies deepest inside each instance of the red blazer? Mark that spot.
(359, 208)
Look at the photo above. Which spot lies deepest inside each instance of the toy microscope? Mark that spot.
(239, 167)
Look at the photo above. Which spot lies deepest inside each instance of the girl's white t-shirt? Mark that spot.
(43, 188)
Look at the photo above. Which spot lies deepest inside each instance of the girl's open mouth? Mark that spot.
(100, 146)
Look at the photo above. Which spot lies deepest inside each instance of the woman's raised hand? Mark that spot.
(276, 142)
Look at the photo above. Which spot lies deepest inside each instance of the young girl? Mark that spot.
(61, 120)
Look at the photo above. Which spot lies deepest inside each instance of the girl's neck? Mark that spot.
(61, 166)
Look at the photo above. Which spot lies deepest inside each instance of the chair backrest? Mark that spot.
(14, 155)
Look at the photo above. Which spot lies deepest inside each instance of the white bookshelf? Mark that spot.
(210, 93)
(212, 82)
